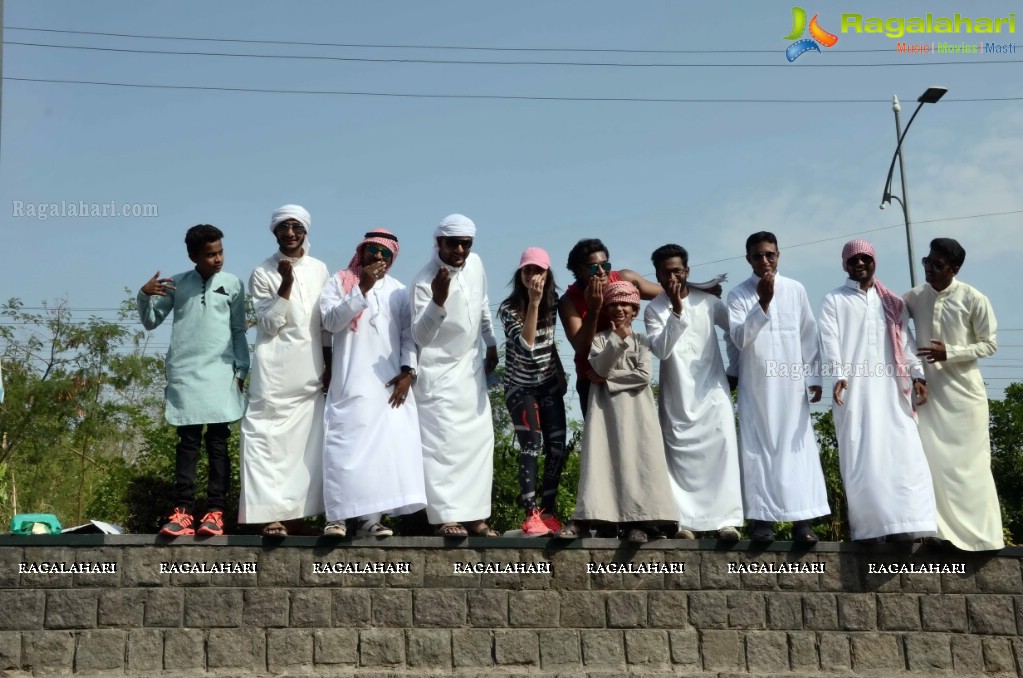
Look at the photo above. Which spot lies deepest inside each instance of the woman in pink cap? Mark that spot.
(535, 386)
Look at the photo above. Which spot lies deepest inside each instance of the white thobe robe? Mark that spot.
(884, 469)
(954, 423)
(454, 410)
(696, 412)
(281, 459)
(779, 359)
(373, 458)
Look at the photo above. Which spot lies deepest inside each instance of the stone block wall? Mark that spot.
(289, 608)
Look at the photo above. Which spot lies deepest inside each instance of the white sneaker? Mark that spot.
(374, 530)
(335, 528)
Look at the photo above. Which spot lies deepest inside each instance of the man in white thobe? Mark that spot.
(955, 327)
(866, 344)
(373, 461)
(282, 432)
(771, 323)
(451, 323)
(696, 414)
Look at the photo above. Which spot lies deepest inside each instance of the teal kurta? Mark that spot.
(208, 348)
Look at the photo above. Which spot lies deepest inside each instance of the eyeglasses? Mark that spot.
(769, 256)
(933, 264)
(455, 243)
(373, 249)
(861, 258)
(595, 268)
(285, 226)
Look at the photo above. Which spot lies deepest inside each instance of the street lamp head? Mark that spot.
(932, 95)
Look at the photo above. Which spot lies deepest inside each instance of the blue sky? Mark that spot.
(530, 172)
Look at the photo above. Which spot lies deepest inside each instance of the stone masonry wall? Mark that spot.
(287, 619)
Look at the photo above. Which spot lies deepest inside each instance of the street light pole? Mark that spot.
(930, 96)
(905, 196)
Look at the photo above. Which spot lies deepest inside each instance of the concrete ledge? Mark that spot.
(414, 606)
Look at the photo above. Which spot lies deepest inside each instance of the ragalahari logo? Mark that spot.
(817, 35)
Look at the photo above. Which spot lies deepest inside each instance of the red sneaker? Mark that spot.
(212, 524)
(551, 522)
(180, 523)
(534, 525)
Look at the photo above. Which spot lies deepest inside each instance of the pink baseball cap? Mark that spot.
(536, 256)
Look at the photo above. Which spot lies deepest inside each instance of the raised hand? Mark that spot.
(157, 286)
(765, 290)
(535, 287)
(440, 285)
(674, 290)
(623, 329)
(286, 270)
(594, 294)
(370, 274)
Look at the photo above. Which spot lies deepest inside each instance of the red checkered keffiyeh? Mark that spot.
(620, 292)
(350, 277)
(893, 306)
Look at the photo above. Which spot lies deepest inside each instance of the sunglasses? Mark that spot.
(769, 256)
(373, 249)
(933, 264)
(595, 268)
(455, 243)
(284, 227)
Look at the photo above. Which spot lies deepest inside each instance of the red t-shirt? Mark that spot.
(578, 297)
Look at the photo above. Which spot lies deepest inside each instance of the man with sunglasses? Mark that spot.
(451, 324)
(580, 306)
(770, 321)
(878, 388)
(955, 327)
(282, 432)
(373, 461)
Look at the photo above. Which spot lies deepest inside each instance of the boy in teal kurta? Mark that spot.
(206, 367)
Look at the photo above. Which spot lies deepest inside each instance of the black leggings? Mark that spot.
(538, 413)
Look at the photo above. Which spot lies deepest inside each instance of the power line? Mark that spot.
(260, 90)
(257, 90)
(431, 47)
(457, 62)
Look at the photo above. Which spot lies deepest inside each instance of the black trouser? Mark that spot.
(189, 444)
(582, 387)
(538, 413)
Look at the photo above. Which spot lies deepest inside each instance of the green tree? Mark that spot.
(76, 392)
(1007, 459)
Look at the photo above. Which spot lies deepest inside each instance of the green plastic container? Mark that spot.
(23, 523)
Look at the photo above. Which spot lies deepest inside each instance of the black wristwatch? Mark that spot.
(410, 371)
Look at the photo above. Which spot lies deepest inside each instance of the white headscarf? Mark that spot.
(455, 225)
(298, 213)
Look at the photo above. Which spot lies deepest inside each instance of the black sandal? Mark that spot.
(573, 530)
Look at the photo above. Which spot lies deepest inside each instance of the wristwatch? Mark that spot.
(410, 371)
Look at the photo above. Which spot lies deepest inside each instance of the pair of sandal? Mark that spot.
(801, 532)
(454, 530)
(275, 529)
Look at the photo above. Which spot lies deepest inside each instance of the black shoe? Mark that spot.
(802, 533)
(762, 531)
(636, 535)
